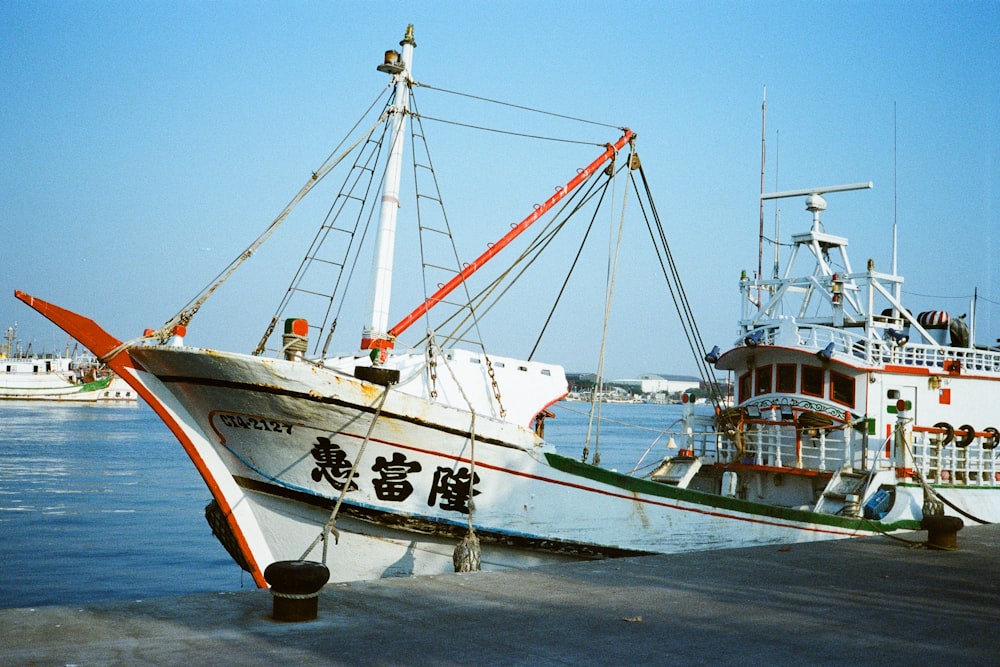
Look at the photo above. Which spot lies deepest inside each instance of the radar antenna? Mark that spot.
(814, 199)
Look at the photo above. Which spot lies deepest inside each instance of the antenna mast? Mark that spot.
(777, 209)
(763, 153)
(895, 198)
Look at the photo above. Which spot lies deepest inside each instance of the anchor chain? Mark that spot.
(496, 387)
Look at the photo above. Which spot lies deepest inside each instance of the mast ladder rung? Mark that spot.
(447, 269)
(442, 232)
(314, 293)
(434, 199)
(342, 230)
(329, 262)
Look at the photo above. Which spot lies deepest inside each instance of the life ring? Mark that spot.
(993, 440)
(969, 434)
(949, 436)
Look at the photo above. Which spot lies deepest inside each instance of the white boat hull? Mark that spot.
(56, 379)
(273, 437)
(50, 387)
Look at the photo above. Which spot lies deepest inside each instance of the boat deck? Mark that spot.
(864, 601)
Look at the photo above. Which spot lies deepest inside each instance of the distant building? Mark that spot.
(655, 383)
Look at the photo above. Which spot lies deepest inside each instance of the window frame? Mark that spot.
(822, 381)
(757, 373)
(834, 377)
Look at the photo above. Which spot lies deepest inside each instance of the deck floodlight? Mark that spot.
(898, 337)
(713, 356)
(826, 353)
(753, 340)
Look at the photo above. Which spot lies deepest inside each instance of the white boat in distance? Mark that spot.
(60, 378)
(840, 428)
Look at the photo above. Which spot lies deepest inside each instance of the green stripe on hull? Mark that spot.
(711, 500)
(96, 385)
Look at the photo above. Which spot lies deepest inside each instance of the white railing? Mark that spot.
(974, 465)
(876, 351)
(781, 445)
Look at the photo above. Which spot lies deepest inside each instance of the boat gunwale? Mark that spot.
(720, 502)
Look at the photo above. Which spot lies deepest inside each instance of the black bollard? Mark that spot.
(942, 531)
(295, 587)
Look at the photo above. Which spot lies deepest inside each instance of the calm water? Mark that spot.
(101, 503)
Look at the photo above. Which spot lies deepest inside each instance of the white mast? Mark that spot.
(374, 335)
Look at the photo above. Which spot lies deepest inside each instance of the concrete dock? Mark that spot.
(873, 601)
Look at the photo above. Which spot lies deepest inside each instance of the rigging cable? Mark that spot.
(363, 164)
(677, 293)
(576, 258)
(512, 133)
(188, 312)
(614, 252)
(518, 106)
(528, 256)
(465, 286)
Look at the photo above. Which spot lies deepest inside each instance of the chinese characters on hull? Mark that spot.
(450, 489)
(331, 464)
(392, 484)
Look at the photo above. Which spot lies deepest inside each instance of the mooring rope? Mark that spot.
(330, 527)
(934, 502)
(468, 554)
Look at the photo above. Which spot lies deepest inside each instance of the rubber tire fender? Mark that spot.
(969, 434)
(994, 439)
(949, 436)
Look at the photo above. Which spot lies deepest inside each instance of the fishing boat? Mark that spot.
(52, 377)
(422, 452)
(847, 402)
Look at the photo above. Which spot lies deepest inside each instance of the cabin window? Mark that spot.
(842, 388)
(764, 380)
(745, 386)
(812, 380)
(786, 379)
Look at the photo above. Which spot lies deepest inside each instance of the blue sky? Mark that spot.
(147, 143)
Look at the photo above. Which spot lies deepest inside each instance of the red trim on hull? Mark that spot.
(101, 343)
